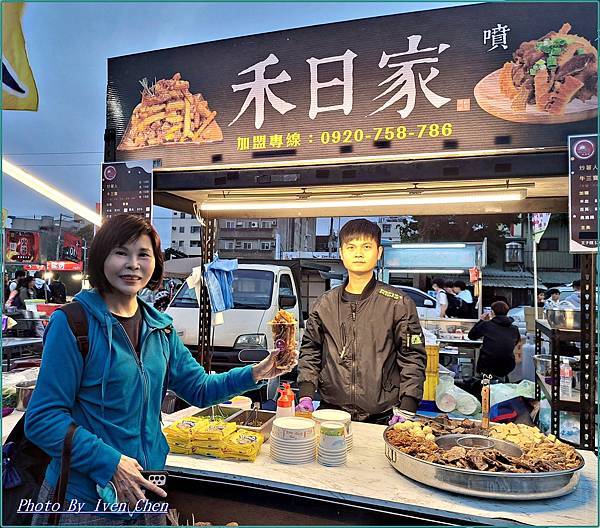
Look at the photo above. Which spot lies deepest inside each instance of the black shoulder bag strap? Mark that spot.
(65, 468)
(77, 319)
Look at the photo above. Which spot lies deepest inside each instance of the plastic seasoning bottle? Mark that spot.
(566, 375)
(288, 390)
(285, 405)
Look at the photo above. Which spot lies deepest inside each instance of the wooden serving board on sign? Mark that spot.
(488, 97)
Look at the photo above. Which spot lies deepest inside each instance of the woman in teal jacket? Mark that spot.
(114, 397)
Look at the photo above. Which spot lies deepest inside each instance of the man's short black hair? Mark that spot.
(19, 274)
(360, 228)
(440, 282)
(551, 292)
(576, 283)
(499, 308)
(460, 284)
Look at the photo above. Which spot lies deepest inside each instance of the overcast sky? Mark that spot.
(68, 45)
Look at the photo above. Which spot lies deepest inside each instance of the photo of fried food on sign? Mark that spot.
(170, 114)
(553, 79)
(283, 327)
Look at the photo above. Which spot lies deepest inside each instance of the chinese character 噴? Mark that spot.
(347, 59)
(259, 87)
(403, 80)
(497, 36)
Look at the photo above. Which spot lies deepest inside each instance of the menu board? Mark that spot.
(468, 80)
(583, 193)
(127, 188)
(22, 246)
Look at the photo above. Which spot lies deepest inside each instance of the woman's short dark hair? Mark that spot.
(460, 284)
(499, 308)
(360, 228)
(441, 283)
(116, 232)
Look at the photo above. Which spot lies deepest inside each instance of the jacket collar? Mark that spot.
(369, 288)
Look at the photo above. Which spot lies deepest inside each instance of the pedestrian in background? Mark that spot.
(438, 286)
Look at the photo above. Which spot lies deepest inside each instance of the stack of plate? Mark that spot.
(333, 415)
(332, 450)
(293, 440)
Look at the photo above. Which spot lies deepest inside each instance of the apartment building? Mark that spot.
(246, 238)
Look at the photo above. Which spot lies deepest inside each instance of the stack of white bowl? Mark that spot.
(332, 450)
(333, 415)
(293, 440)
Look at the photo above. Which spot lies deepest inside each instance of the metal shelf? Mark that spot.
(571, 404)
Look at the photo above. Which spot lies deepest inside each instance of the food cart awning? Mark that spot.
(497, 278)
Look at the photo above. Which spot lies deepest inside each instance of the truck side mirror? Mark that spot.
(287, 301)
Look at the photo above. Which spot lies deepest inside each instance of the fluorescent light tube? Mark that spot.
(316, 203)
(50, 192)
(446, 271)
(449, 245)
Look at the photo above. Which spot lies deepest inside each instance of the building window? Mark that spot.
(182, 229)
(229, 245)
(247, 245)
(181, 243)
(239, 223)
(194, 243)
(181, 215)
(174, 213)
(229, 225)
(265, 246)
(274, 223)
(387, 228)
(548, 244)
(265, 225)
(195, 229)
(173, 228)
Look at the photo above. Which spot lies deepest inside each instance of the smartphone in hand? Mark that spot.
(158, 478)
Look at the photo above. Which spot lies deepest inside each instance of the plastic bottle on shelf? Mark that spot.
(285, 405)
(566, 379)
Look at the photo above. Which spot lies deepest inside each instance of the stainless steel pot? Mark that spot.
(486, 484)
(24, 392)
(564, 318)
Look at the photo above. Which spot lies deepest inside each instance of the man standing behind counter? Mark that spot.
(363, 346)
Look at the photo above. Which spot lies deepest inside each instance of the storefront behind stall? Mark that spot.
(360, 118)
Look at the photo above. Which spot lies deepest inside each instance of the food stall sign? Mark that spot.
(22, 246)
(64, 265)
(435, 256)
(127, 188)
(34, 267)
(583, 193)
(72, 247)
(460, 81)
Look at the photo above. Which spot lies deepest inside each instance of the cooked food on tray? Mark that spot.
(283, 327)
(550, 72)
(170, 114)
(540, 453)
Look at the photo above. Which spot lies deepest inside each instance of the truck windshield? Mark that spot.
(252, 290)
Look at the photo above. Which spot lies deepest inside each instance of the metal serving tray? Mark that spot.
(486, 484)
(219, 411)
(265, 417)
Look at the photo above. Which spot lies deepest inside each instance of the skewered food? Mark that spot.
(170, 114)
(550, 72)
(283, 327)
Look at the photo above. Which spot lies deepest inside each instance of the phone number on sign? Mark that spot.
(430, 130)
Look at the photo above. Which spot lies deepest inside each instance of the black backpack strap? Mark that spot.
(78, 322)
(65, 469)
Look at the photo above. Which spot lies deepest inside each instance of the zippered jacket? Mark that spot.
(115, 397)
(366, 356)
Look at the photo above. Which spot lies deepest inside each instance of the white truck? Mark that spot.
(259, 292)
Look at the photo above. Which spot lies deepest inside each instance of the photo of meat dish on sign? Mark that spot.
(551, 80)
(170, 114)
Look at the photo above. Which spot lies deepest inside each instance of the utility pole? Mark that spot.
(59, 234)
